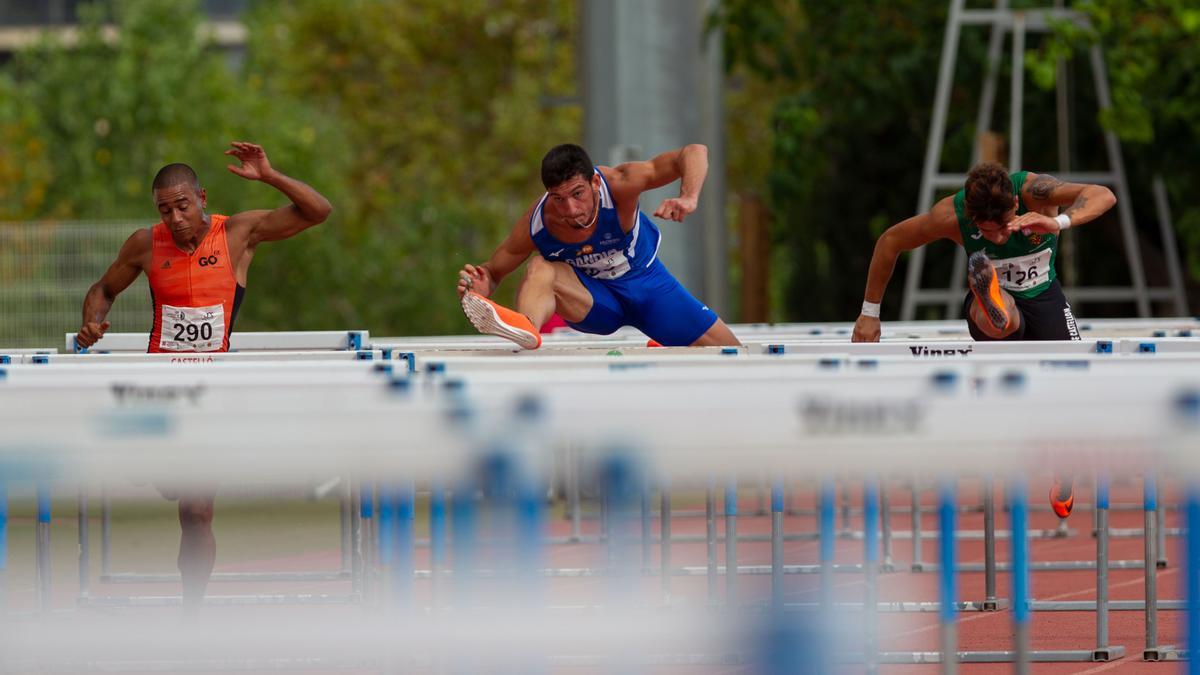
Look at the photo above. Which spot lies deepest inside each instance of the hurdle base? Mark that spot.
(998, 656)
(1108, 653)
(1090, 605)
(1165, 653)
(175, 600)
(992, 605)
(1160, 564)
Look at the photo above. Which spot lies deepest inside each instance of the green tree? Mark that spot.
(443, 105)
(1152, 51)
(852, 83)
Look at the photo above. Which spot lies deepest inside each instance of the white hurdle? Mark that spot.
(806, 411)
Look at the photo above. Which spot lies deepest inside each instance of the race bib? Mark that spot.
(192, 329)
(1024, 273)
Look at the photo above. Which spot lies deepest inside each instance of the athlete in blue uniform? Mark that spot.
(598, 263)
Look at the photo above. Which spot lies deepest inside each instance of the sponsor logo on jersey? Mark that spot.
(556, 253)
(586, 250)
(206, 261)
(1035, 239)
(166, 265)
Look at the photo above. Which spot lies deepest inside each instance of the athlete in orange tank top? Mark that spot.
(196, 296)
(197, 266)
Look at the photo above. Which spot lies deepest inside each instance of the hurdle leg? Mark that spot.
(646, 535)
(356, 540)
(437, 539)
(1150, 573)
(84, 557)
(1192, 577)
(871, 570)
(42, 536)
(710, 538)
(1019, 517)
(847, 528)
(777, 502)
(344, 527)
(948, 609)
(885, 522)
(731, 564)
(990, 602)
(1161, 518)
(105, 532)
(664, 543)
(825, 508)
(3, 546)
(1103, 651)
(573, 487)
(917, 564)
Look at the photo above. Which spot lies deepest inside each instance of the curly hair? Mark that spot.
(989, 193)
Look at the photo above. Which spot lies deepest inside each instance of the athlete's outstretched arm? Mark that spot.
(308, 206)
(514, 250)
(939, 223)
(1084, 202)
(130, 262)
(688, 165)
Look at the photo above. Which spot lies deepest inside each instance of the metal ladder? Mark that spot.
(1002, 20)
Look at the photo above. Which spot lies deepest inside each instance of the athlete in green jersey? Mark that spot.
(1009, 225)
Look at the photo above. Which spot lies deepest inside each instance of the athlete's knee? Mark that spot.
(540, 269)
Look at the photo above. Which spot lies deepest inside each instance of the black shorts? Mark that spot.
(1044, 317)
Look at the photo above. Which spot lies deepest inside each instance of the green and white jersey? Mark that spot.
(1024, 264)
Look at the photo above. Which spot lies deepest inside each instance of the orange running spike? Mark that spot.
(490, 318)
(985, 286)
(1062, 496)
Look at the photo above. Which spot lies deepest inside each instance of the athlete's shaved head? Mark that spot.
(565, 162)
(989, 194)
(176, 174)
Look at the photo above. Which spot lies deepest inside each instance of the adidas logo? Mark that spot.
(166, 265)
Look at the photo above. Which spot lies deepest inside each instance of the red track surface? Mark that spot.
(898, 631)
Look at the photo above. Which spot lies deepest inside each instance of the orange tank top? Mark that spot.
(195, 297)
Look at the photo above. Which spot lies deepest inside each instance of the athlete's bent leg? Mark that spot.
(979, 317)
(994, 311)
(197, 545)
(551, 287)
(718, 335)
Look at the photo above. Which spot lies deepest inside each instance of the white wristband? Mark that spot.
(870, 309)
(1064, 221)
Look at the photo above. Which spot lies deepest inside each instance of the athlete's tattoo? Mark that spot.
(1043, 186)
(1080, 202)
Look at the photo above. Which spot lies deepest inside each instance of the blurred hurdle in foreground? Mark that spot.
(682, 421)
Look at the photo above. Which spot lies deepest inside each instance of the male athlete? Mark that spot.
(197, 265)
(597, 264)
(1009, 226)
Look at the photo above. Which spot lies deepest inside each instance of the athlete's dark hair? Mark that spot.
(176, 174)
(989, 193)
(563, 163)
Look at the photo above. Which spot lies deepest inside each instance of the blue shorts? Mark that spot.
(652, 301)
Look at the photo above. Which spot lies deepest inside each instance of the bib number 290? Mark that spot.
(190, 332)
(192, 329)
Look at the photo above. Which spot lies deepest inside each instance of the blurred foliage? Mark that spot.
(422, 121)
(850, 85)
(1152, 50)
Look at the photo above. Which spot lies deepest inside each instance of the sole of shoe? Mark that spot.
(487, 320)
(980, 277)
